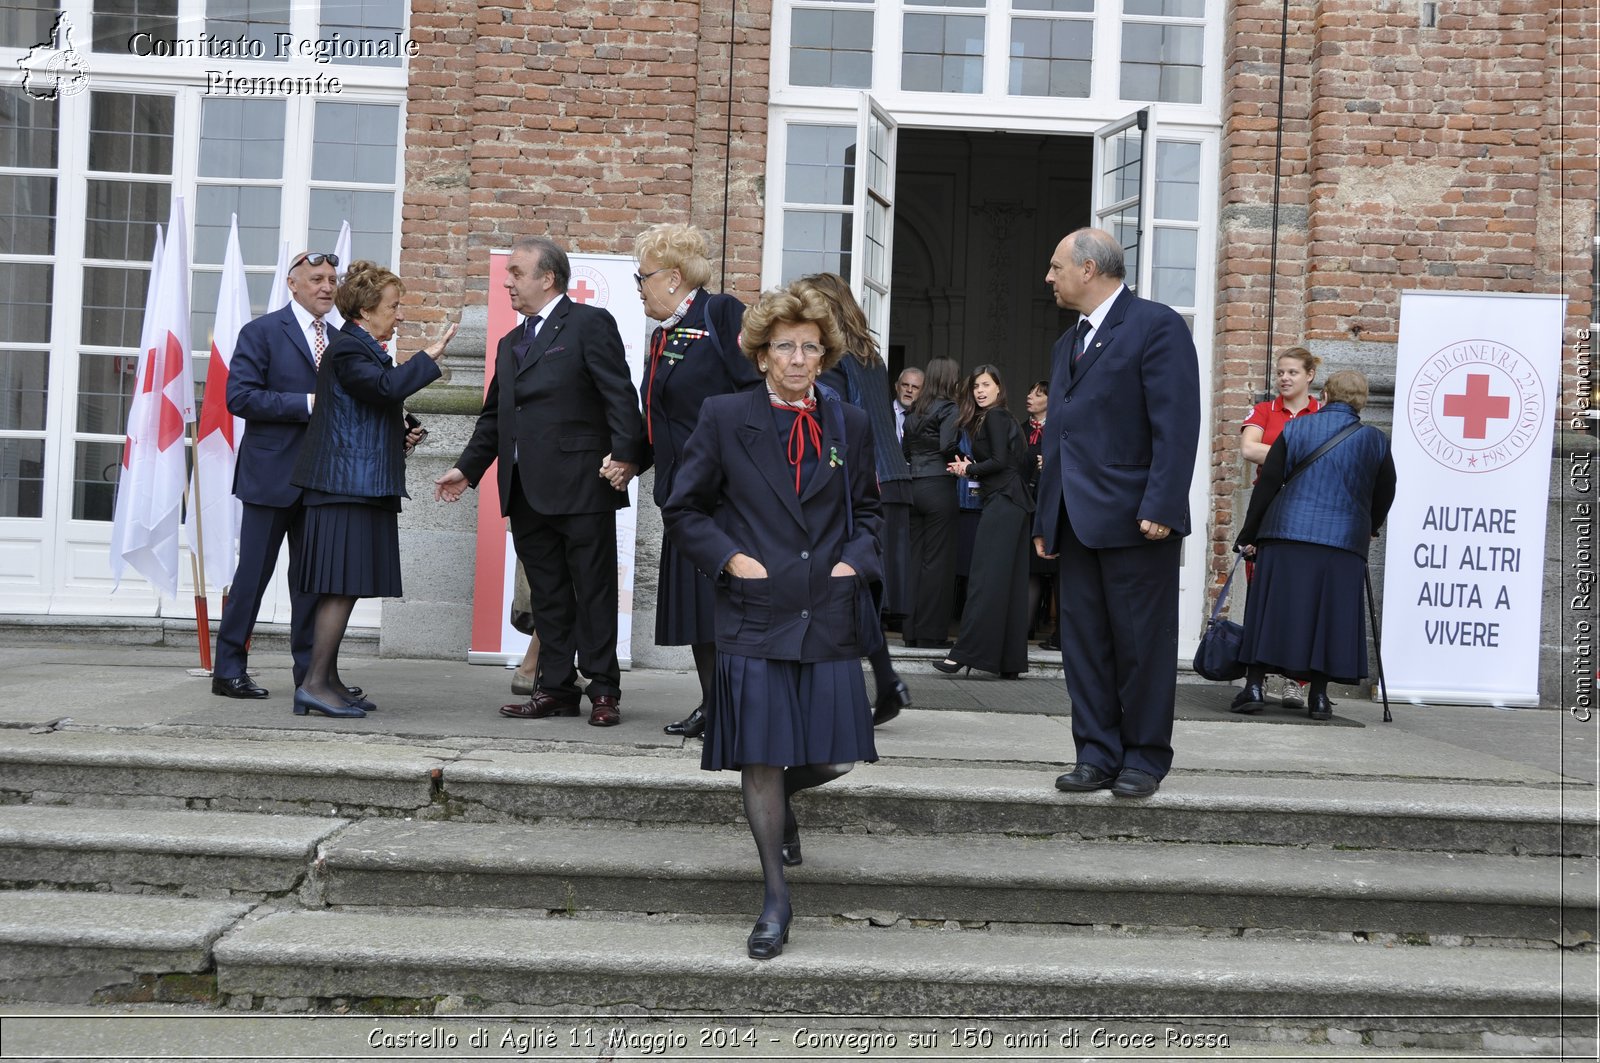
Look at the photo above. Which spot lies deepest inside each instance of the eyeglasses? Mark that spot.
(313, 259)
(787, 348)
(640, 278)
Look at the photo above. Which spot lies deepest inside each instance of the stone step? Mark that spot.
(889, 798)
(178, 771)
(86, 947)
(986, 879)
(501, 963)
(193, 853)
(353, 778)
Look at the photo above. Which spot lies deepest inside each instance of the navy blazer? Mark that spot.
(271, 374)
(735, 493)
(568, 404)
(687, 372)
(1122, 432)
(356, 444)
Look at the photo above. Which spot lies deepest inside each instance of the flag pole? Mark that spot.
(197, 549)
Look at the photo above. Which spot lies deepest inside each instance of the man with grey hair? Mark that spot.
(562, 417)
(1122, 434)
(906, 387)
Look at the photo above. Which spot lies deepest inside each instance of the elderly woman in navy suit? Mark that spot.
(775, 495)
(694, 354)
(353, 469)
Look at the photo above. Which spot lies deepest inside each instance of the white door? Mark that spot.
(872, 244)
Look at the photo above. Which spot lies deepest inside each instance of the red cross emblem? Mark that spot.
(1476, 407)
(581, 291)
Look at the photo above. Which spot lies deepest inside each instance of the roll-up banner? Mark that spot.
(605, 281)
(1475, 392)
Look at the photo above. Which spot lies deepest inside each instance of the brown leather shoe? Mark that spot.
(605, 712)
(542, 704)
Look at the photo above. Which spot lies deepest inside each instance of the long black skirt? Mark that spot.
(1304, 612)
(685, 599)
(994, 623)
(787, 713)
(351, 548)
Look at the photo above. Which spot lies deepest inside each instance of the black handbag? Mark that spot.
(1217, 657)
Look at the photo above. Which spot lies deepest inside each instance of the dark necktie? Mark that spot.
(530, 330)
(1080, 340)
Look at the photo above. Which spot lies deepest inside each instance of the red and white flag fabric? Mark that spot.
(124, 505)
(341, 251)
(217, 442)
(278, 291)
(154, 469)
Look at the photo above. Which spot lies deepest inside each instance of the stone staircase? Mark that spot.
(320, 872)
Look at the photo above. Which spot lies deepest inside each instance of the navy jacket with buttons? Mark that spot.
(734, 493)
(356, 442)
(1339, 500)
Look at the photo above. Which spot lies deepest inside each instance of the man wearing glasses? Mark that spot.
(272, 384)
(562, 418)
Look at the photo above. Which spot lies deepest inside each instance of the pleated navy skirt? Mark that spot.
(685, 599)
(351, 548)
(1305, 612)
(787, 713)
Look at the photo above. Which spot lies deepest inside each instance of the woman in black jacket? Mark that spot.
(352, 466)
(929, 442)
(994, 623)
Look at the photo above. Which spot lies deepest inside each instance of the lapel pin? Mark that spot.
(834, 461)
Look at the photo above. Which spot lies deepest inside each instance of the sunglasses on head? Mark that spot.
(312, 259)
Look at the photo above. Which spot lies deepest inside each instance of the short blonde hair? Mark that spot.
(677, 246)
(1348, 386)
(363, 287)
(797, 304)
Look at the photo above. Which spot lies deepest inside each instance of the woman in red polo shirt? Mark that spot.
(1297, 368)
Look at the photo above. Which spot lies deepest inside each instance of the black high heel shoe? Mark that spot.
(305, 703)
(949, 667)
(767, 940)
(895, 696)
(691, 726)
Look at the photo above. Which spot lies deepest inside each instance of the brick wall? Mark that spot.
(587, 121)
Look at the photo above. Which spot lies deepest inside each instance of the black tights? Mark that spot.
(766, 789)
(705, 666)
(883, 675)
(328, 626)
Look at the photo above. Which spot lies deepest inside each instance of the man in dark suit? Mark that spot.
(562, 417)
(272, 383)
(1119, 452)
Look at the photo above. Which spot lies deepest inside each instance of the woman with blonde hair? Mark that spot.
(694, 354)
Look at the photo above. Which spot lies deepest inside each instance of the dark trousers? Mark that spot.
(571, 562)
(994, 623)
(261, 533)
(1119, 649)
(933, 557)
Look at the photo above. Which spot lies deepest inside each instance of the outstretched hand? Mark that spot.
(436, 350)
(450, 487)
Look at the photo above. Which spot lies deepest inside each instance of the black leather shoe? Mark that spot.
(1320, 708)
(304, 703)
(1131, 782)
(1085, 777)
(691, 726)
(1249, 701)
(767, 940)
(891, 700)
(1051, 643)
(949, 667)
(354, 692)
(236, 686)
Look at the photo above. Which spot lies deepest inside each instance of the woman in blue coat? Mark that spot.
(352, 466)
(775, 496)
(694, 354)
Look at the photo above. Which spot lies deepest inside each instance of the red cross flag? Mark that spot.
(150, 484)
(217, 440)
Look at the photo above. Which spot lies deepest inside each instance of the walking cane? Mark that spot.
(1377, 648)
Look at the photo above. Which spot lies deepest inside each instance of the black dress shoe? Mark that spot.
(1085, 777)
(354, 692)
(691, 726)
(891, 700)
(949, 667)
(1131, 782)
(1249, 701)
(767, 940)
(1051, 643)
(1320, 708)
(305, 703)
(236, 686)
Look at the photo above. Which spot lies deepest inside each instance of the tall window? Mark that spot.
(240, 172)
(819, 180)
(355, 157)
(831, 44)
(1050, 53)
(28, 177)
(943, 52)
(1163, 50)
